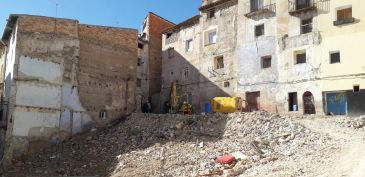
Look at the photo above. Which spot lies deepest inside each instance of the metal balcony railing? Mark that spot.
(258, 8)
(298, 6)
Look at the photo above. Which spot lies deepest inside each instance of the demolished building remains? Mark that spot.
(62, 78)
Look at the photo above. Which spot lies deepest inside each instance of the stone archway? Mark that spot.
(308, 103)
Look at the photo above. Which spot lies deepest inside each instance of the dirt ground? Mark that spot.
(263, 144)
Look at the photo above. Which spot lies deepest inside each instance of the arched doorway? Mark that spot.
(308, 102)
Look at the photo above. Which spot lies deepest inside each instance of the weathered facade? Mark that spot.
(296, 56)
(62, 78)
(150, 60)
(199, 54)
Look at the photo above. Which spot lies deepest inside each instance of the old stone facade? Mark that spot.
(281, 56)
(63, 78)
(199, 54)
(150, 60)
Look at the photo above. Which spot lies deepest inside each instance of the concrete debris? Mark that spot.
(143, 145)
(352, 122)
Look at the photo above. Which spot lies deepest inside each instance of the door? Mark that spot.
(253, 101)
(293, 101)
(336, 103)
(308, 102)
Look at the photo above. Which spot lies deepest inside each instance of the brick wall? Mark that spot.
(107, 70)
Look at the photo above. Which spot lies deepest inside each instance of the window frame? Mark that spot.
(189, 45)
(339, 57)
(211, 13)
(212, 39)
(303, 26)
(300, 52)
(262, 30)
(219, 62)
(185, 73)
(263, 58)
(226, 84)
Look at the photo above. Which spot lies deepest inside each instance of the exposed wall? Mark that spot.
(155, 27)
(107, 71)
(62, 76)
(142, 92)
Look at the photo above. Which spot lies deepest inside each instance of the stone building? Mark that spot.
(149, 60)
(199, 55)
(296, 56)
(63, 78)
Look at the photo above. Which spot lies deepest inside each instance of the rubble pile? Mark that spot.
(351, 122)
(177, 145)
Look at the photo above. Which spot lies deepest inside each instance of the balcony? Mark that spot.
(300, 6)
(258, 8)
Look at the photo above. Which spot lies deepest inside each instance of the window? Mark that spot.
(139, 62)
(211, 13)
(344, 14)
(335, 57)
(185, 74)
(259, 30)
(189, 45)
(227, 84)
(256, 5)
(302, 4)
(300, 57)
(171, 52)
(212, 37)
(266, 62)
(102, 115)
(306, 26)
(139, 82)
(140, 46)
(356, 88)
(168, 35)
(219, 62)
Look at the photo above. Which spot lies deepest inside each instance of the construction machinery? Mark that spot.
(226, 104)
(176, 106)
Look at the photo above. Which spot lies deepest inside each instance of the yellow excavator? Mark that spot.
(176, 106)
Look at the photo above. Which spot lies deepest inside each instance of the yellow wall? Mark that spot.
(349, 40)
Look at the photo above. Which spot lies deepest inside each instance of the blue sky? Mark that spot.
(118, 13)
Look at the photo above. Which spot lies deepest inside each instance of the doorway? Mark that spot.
(293, 102)
(308, 102)
(253, 101)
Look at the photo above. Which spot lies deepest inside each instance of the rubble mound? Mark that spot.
(177, 145)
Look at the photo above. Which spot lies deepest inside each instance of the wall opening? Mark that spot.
(335, 57)
(253, 101)
(102, 115)
(356, 88)
(293, 102)
(308, 102)
(219, 62)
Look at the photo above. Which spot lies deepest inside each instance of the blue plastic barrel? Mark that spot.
(208, 108)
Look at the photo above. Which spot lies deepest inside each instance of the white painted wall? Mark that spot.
(37, 68)
(38, 95)
(24, 121)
